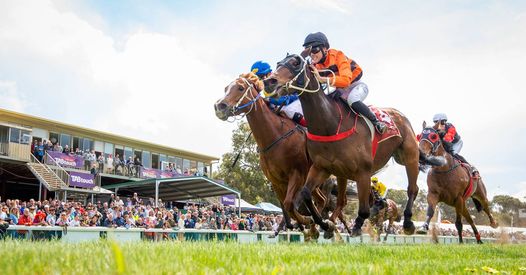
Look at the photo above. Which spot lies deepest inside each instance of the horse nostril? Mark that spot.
(220, 106)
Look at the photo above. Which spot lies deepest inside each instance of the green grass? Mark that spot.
(104, 257)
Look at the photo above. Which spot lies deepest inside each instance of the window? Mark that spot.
(128, 153)
(137, 154)
(186, 165)
(53, 137)
(25, 137)
(201, 168)
(155, 161)
(15, 135)
(65, 140)
(108, 149)
(193, 166)
(76, 144)
(87, 144)
(146, 159)
(119, 150)
(179, 163)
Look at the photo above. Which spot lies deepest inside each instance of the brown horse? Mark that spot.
(389, 213)
(283, 153)
(449, 181)
(349, 154)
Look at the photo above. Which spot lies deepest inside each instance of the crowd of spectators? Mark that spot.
(103, 163)
(136, 212)
(132, 212)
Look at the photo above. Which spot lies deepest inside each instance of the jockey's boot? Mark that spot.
(363, 110)
(299, 119)
(473, 170)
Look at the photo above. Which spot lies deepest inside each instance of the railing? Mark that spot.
(33, 159)
(76, 234)
(58, 170)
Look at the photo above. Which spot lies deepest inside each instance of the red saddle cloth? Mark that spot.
(473, 182)
(392, 129)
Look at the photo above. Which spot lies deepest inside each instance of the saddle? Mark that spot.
(473, 181)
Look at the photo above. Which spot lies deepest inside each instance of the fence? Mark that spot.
(79, 234)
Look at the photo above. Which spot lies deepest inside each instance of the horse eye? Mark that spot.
(240, 88)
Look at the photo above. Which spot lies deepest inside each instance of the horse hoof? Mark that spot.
(409, 228)
(422, 231)
(494, 224)
(479, 242)
(356, 232)
(328, 234)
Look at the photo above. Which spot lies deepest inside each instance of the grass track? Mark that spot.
(23, 257)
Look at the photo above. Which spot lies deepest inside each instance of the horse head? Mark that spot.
(240, 96)
(431, 149)
(290, 73)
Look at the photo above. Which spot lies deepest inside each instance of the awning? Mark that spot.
(269, 207)
(176, 189)
(247, 207)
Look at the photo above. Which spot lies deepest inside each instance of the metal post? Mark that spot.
(65, 196)
(156, 193)
(40, 191)
(239, 204)
(92, 198)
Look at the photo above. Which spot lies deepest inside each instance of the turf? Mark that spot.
(105, 257)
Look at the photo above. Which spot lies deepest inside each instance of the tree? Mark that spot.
(246, 175)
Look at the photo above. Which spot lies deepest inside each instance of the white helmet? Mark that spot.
(438, 117)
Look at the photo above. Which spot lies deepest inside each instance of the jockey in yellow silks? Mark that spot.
(379, 191)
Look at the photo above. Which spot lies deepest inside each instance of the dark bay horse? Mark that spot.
(348, 157)
(282, 145)
(448, 181)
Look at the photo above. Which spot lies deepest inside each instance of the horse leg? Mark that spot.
(432, 201)
(342, 218)
(388, 228)
(314, 177)
(294, 185)
(411, 168)
(482, 198)
(341, 200)
(458, 222)
(466, 215)
(364, 190)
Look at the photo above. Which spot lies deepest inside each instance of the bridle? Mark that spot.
(430, 135)
(300, 75)
(238, 106)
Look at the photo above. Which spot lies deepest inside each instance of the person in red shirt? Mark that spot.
(451, 139)
(25, 219)
(333, 67)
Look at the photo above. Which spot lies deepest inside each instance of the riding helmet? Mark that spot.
(316, 39)
(261, 68)
(439, 117)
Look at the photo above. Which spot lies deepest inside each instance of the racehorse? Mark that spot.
(281, 143)
(450, 182)
(341, 144)
(389, 213)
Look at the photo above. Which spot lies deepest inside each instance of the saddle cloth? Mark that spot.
(473, 182)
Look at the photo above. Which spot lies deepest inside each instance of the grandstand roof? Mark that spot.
(177, 189)
(15, 119)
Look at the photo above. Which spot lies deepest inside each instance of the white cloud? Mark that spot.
(11, 98)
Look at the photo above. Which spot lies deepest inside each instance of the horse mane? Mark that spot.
(252, 78)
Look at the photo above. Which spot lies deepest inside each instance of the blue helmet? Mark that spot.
(261, 68)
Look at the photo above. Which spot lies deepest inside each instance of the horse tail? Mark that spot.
(477, 203)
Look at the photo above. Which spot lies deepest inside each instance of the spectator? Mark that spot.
(75, 222)
(100, 162)
(14, 213)
(25, 219)
(66, 150)
(109, 164)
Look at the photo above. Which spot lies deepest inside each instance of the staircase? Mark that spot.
(45, 175)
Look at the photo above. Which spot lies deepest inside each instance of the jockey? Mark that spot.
(450, 139)
(261, 69)
(346, 75)
(291, 104)
(379, 191)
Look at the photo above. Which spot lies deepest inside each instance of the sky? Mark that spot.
(152, 70)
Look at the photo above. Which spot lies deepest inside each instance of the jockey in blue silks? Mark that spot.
(291, 104)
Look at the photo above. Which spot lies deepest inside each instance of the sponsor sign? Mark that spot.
(83, 180)
(65, 160)
(228, 200)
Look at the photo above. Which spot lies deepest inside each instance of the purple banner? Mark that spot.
(150, 173)
(83, 180)
(65, 160)
(228, 200)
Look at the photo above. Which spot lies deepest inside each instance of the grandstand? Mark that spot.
(42, 158)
